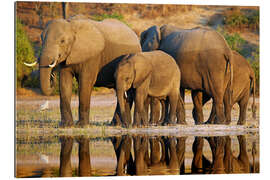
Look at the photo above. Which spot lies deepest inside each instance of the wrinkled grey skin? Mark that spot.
(153, 74)
(81, 47)
(203, 56)
(243, 85)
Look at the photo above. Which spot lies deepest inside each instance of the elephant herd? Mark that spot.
(161, 155)
(151, 72)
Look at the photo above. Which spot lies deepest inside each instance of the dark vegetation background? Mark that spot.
(239, 25)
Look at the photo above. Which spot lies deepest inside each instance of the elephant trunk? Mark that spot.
(48, 60)
(45, 81)
(123, 110)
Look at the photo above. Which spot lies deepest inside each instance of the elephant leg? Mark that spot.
(141, 115)
(180, 150)
(173, 100)
(182, 93)
(124, 155)
(197, 111)
(66, 78)
(166, 114)
(217, 91)
(163, 112)
(116, 121)
(147, 102)
(84, 157)
(218, 105)
(180, 111)
(211, 119)
(228, 106)
(243, 156)
(65, 156)
(243, 103)
(218, 157)
(197, 161)
(173, 165)
(85, 89)
(155, 111)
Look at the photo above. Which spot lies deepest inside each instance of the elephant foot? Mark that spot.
(182, 122)
(199, 123)
(223, 122)
(153, 124)
(241, 123)
(208, 122)
(66, 124)
(170, 123)
(81, 124)
(128, 126)
(136, 126)
(115, 123)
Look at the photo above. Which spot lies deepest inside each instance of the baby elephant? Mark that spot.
(153, 74)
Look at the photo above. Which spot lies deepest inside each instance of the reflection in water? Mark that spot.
(152, 155)
(223, 159)
(137, 155)
(65, 157)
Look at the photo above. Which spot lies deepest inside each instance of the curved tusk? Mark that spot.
(31, 64)
(125, 94)
(53, 65)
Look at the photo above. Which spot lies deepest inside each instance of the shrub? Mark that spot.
(254, 61)
(24, 53)
(254, 20)
(237, 19)
(234, 40)
(110, 16)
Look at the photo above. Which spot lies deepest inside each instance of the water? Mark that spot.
(54, 156)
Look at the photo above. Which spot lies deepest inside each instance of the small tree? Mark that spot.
(24, 53)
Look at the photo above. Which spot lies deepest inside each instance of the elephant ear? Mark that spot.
(143, 37)
(142, 71)
(150, 39)
(88, 42)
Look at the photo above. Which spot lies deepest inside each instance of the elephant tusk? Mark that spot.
(125, 94)
(53, 64)
(31, 64)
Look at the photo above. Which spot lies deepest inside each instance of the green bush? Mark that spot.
(110, 16)
(254, 61)
(254, 20)
(234, 40)
(24, 53)
(237, 19)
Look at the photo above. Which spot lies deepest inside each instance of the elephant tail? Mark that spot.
(253, 91)
(229, 63)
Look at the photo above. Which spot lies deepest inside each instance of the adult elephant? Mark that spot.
(243, 85)
(203, 56)
(81, 47)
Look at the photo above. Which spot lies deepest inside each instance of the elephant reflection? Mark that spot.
(65, 157)
(152, 155)
(223, 160)
(122, 147)
(166, 155)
